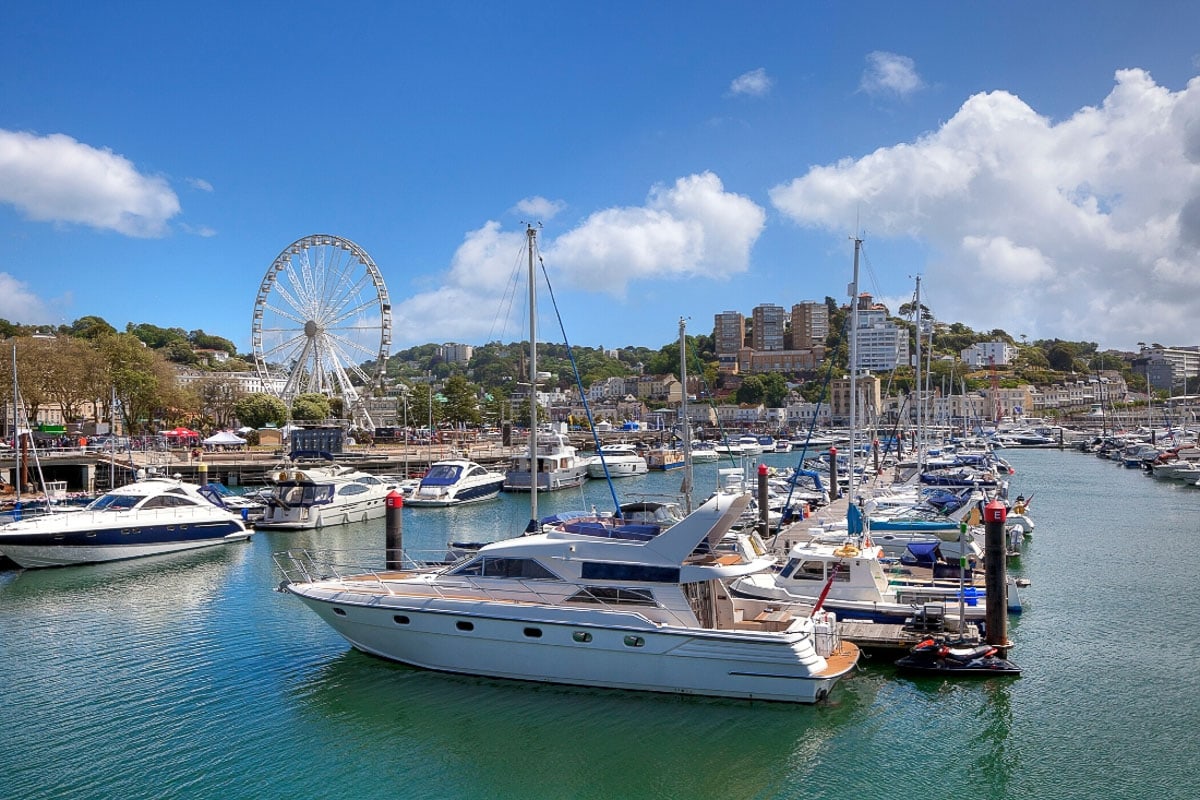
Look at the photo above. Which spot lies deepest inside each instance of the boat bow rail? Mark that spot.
(300, 567)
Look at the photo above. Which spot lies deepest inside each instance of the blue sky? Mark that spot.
(1038, 164)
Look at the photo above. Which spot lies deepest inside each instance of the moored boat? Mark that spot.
(617, 460)
(149, 517)
(642, 613)
(309, 494)
(454, 482)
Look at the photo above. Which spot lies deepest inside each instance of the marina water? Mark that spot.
(187, 676)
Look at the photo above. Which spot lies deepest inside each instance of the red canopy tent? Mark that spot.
(181, 433)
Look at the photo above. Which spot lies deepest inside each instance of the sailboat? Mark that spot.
(551, 463)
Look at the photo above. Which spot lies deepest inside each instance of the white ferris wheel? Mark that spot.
(323, 323)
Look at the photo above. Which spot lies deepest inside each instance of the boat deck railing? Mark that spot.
(307, 566)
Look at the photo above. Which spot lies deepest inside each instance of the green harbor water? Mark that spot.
(188, 676)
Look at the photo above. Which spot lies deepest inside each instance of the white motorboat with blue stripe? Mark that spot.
(455, 481)
(152, 516)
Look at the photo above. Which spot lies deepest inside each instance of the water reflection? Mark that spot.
(542, 740)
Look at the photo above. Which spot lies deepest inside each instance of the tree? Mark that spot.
(752, 391)
(461, 403)
(311, 407)
(1062, 356)
(218, 396)
(260, 410)
(136, 372)
(90, 327)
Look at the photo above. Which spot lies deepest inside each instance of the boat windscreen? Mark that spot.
(114, 502)
(441, 475)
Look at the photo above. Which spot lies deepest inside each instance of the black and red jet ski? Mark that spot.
(935, 657)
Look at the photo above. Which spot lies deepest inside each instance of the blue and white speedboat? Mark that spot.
(455, 481)
(152, 516)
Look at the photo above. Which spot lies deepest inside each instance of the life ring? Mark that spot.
(846, 551)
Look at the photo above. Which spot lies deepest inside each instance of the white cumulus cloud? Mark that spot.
(1085, 228)
(692, 228)
(19, 304)
(55, 178)
(755, 83)
(539, 209)
(889, 73)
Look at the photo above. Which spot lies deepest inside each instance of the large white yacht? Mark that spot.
(558, 465)
(617, 460)
(645, 613)
(454, 482)
(312, 495)
(152, 516)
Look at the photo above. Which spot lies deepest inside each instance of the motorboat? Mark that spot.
(454, 482)
(250, 507)
(148, 517)
(934, 657)
(639, 518)
(617, 460)
(313, 491)
(665, 457)
(749, 445)
(557, 465)
(605, 610)
(859, 586)
(703, 452)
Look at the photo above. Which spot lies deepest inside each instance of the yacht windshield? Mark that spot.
(114, 502)
(441, 475)
(294, 494)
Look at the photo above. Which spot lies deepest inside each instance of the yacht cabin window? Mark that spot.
(613, 595)
(494, 567)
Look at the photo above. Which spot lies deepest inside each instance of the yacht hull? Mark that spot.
(581, 649)
(92, 545)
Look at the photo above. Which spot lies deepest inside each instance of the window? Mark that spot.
(400, 619)
(464, 626)
(634, 641)
(613, 594)
(352, 488)
(341, 612)
(494, 567)
(533, 633)
(601, 571)
(583, 637)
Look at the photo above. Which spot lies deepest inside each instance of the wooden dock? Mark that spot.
(894, 637)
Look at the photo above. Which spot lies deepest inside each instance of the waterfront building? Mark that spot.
(769, 326)
(1184, 365)
(982, 354)
(869, 401)
(882, 344)
(729, 336)
(810, 325)
(751, 361)
(802, 416)
(453, 353)
(245, 382)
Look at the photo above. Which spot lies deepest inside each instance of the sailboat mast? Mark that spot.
(531, 237)
(684, 425)
(917, 387)
(16, 428)
(853, 366)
